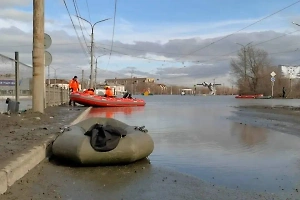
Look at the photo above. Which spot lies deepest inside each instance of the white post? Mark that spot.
(272, 89)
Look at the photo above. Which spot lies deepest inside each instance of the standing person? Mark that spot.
(73, 87)
(283, 92)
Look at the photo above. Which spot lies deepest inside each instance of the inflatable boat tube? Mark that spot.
(73, 145)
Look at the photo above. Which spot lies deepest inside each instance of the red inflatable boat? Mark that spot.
(250, 96)
(100, 101)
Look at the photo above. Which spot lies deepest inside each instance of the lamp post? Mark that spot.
(92, 46)
(96, 68)
(54, 101)
(55, 77)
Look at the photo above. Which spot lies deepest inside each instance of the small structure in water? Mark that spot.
(210, 86)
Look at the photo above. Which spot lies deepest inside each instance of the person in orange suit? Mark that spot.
(89, 91)
(73, 87)
(108, 92)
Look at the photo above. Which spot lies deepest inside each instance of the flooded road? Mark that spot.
(198, 136)
(205, 148)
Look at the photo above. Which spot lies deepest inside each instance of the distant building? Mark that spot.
(124, 81)
(61, 83)
(118, 89)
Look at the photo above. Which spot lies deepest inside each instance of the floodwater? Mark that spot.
(195, 135)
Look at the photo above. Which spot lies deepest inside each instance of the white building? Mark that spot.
(61, 83)
(118, 89)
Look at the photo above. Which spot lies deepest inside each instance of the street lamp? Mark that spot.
(245, 63)
(96, 68)
(92, 45)
(54, 75)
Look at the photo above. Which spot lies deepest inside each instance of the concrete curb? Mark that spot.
(27, 161)
(81, 116)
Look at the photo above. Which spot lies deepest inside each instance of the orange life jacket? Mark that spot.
(74, 85)
(109, 92)
(89, 91)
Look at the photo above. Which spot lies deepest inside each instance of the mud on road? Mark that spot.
(19, 132)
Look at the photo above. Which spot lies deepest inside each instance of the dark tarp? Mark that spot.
(105, 138)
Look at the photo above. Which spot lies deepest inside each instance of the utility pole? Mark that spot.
(92, 48)
(96, 73)
(17, 76)
(96, 69)
(82, 78)
(38, 57)
(132, 81)
(245, 61)
(49, 76)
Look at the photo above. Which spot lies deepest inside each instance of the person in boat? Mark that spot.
(73, 87)
(127, 95)
(89, 91)
(108, 92)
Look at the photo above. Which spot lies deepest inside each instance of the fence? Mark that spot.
(8, 76)
(54, 95)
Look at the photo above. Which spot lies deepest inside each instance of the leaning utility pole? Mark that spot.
(38, 57)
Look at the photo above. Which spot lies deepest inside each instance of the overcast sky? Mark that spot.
(183, 41)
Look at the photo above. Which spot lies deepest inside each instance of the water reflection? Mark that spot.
(110, 112)
(249, 135)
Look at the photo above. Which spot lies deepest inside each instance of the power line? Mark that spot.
(243, 28)
(87, 5)
(78, 14)
(141, 50)
(145, 58)
(75, 29)
(169, 61)
(236, 51)
(112, 39)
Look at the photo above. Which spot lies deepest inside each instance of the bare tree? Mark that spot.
(249, 68)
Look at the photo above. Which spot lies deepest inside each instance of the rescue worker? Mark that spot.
(89, 91)
(73, 87)
(127, 95)
(108, 92)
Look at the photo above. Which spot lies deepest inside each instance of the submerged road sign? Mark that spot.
(273, 79)
(273, 74)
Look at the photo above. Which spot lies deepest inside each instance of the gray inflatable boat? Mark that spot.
(76, 145)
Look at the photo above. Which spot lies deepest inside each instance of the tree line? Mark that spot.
(251, 74)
